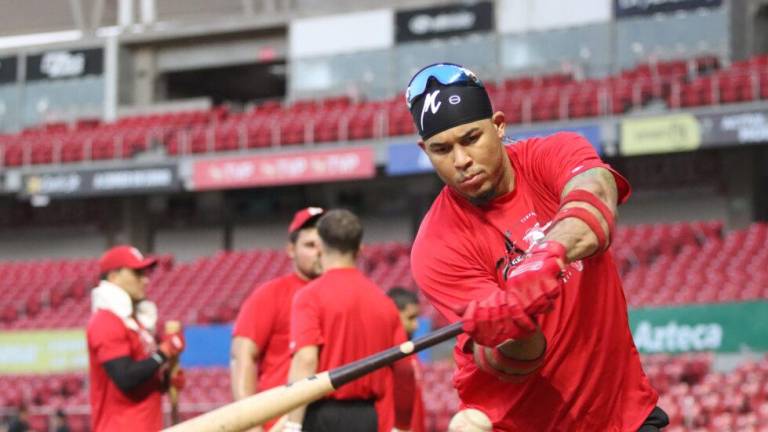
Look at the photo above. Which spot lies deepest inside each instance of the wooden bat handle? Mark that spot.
(172, 327)
(257, 409)
(173, 394)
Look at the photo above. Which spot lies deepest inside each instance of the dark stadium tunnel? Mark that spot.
(761, 29)
(239, 83)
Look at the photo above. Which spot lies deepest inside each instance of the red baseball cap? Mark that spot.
(302, 217)
(124, 256)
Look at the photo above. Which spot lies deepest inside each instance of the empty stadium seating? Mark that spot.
(688, 277)
(743, 81)
(48, 291)
(680, 84)
(695, 397)
(660, 264)
(92, 140)
(697, 400)
(52, 293)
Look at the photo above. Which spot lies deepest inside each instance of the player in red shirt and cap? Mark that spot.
(127, 368)
(260, 354)
(340, 317)
(516, 246)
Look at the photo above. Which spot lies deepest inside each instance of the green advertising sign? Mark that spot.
(725, 327)
(662, 134)
(46, 351)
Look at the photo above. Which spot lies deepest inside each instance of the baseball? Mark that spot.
(470, 420)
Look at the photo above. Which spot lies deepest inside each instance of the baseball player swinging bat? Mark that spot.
(259, 408)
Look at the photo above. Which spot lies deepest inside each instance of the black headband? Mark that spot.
(442, 107)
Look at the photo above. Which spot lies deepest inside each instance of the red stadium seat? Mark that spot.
(546, 97)
(660, 264)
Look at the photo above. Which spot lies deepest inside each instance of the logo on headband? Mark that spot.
(429, 104)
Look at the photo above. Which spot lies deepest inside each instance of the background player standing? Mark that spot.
(126, 379)
(409, 387)
(260, 354)
(407, 303)
(518, 240)
(340, 317)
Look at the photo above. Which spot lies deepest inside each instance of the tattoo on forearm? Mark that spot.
(598, 180)
(574, 234)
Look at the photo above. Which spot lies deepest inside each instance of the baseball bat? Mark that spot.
(172, 327)
(257, 409)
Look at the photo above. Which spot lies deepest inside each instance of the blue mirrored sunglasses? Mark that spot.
(444, 73)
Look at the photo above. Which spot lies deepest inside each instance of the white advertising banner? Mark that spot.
(520, 16)
(338, 34)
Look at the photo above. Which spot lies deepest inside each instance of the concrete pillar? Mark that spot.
(136, 227)
(144, 76)
(761, 185)
(148, 11)
(747, 27)
(739, 181)
(738, 28)
(760, 28)
(125, 15)
(111, 78)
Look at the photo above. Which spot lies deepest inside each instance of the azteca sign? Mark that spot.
(722, 327)
(673, 337)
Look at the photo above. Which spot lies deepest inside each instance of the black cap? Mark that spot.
(442, 107)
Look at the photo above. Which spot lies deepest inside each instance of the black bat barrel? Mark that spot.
(350, 372)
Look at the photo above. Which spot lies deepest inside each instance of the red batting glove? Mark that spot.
(537, 280)
(172, 345)
(178, 380)
(496, 319)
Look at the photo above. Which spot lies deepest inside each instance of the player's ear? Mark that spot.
(114, 276)
(421, 145)
(290, 249)
(499, 123)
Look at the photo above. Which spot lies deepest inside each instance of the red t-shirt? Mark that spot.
(265, 318)
(409, 406)
(348, 317)
(415, 421)
(111, 409)
(417, 416)
(591, 378)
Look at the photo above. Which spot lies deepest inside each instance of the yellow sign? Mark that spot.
(34, 184)
(45, 351)
(672, 133)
